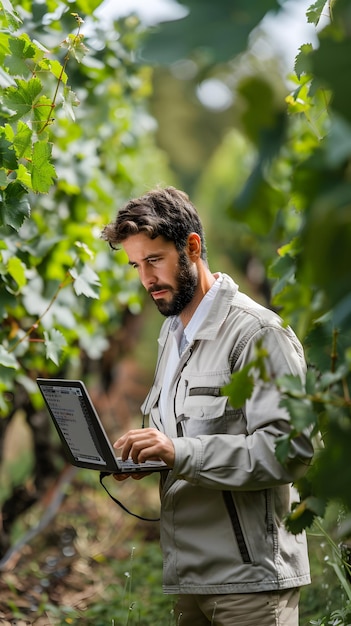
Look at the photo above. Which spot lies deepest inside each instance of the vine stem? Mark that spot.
(59, 80)
(66, 281)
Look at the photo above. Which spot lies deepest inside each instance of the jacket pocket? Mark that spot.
(206, 412)
(238, 531)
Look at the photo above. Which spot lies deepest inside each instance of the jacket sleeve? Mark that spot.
(246, 460)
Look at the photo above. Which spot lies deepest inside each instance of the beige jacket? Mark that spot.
(224, 502)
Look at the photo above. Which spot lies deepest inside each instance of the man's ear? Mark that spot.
(194, 246)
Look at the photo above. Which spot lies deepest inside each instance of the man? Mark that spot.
(227, 554)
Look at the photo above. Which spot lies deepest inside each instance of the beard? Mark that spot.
(183, 293)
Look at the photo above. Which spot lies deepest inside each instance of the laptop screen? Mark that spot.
(69, 410)
(82, 434)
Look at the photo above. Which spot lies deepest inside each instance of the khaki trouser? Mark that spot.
(240, 609)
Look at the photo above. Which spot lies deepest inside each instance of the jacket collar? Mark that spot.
(214, 319)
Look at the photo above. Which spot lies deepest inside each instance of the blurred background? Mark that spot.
(246, 108)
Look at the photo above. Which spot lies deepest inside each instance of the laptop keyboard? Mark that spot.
(129, 464)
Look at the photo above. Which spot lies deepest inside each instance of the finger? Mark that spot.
(140, 476)
(120, 477)
(144, 451)
(121, 441)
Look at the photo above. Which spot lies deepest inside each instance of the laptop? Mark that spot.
(84, 439)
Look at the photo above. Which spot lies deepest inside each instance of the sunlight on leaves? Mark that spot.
(86, 281)
(54, 344)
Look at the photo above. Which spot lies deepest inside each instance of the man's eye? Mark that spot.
(153, 261)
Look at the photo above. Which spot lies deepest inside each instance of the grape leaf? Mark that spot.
(70, 100)
(14, 205)
(240, 387)
(86, 282)
(21, 98)
(303, 61)
(43, 172)
(16, 269)
(301, 412)
(11, 16)
(21, 49)
(304, 513)
(54, 343)
(22, 140)
(7, 154)
(314, 12)
(7, 359)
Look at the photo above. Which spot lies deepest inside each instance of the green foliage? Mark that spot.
(63, 167)
(314, 12)
(215, 32)
(296, 201)
(242, 382)
(72, 144)
(311, 273)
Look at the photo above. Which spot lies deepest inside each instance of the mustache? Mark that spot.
(159, 288)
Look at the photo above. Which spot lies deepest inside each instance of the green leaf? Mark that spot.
(54, 344)
(7, 301)
(22, 140)
(21, 99)
(302, 516)
(87, 6)
(56, 69)
(14, 205)
(70, 100)
(282, 448)
(301, 413)
(258, 202)
(240, 387)
(315, 11)
(3, 178)
(283, 269)
(7, 359)
(8, 158)
(291, 384)
(17, 270)
(260, 107)
(11, 16)
(326, 237)
(303, 60)
(21, 50)
(43, 172)
(86, 281)
(5, 79)
(42, 113)
(331, 64)
(75, 46)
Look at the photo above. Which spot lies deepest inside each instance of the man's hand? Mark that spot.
(142, 445)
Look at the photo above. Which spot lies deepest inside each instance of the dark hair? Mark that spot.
(162, 211)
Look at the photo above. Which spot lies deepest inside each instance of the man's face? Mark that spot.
(168, 276)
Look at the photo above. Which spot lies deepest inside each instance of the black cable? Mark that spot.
(144, 519)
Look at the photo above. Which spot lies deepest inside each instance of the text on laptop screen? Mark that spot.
(74, 422)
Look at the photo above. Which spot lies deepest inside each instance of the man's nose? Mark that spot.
(147, 276)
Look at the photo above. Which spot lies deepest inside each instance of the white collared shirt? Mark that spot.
(181, 337)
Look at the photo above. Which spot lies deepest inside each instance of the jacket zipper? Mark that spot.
(233, 514)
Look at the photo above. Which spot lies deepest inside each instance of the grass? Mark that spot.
(327, 600)
(94, 564)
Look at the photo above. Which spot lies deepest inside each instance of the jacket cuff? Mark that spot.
(188, 458)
